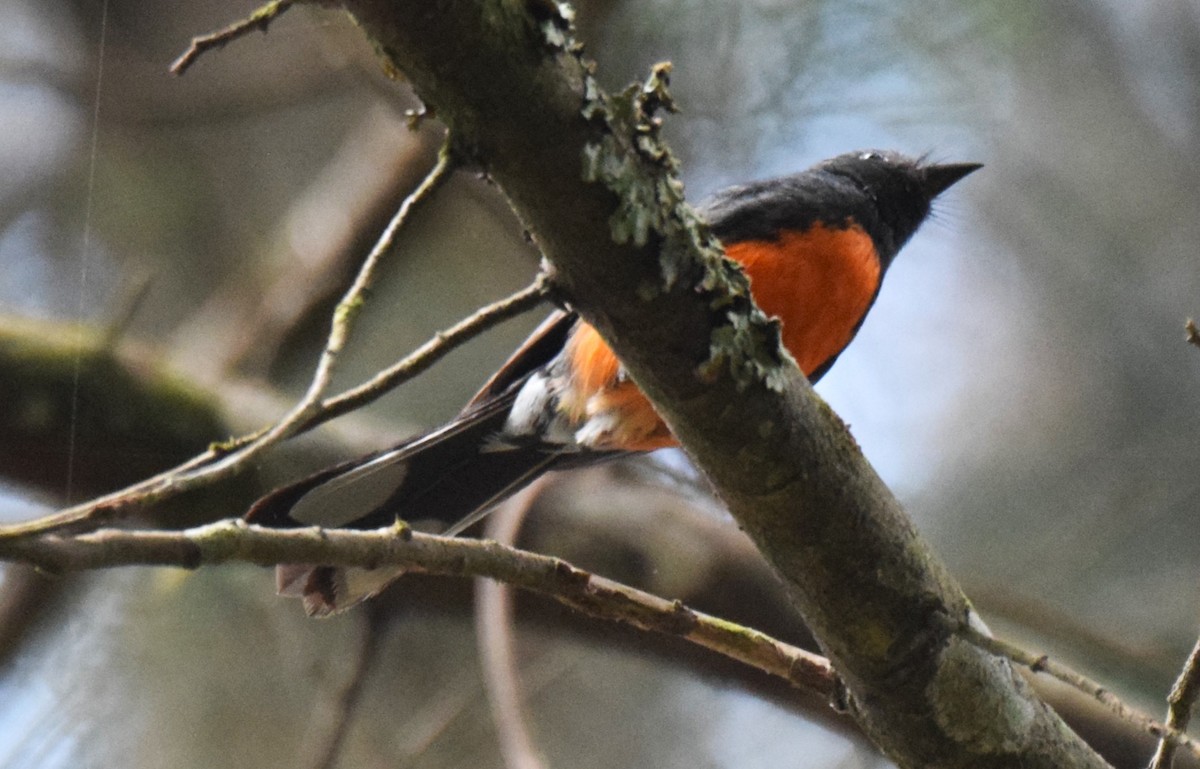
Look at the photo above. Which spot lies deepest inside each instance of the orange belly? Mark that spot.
(819, 283)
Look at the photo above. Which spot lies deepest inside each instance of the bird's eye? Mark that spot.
(870, 156)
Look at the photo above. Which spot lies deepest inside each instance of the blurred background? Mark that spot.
(170, 249)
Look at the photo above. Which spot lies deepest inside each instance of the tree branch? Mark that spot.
(259, 20)
(1170, 734)
(236, 541)
(1180, 702)
(495, 631)
(138, 416)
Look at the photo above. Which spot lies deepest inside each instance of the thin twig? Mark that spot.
(432, 351)
(224, 460)
(259, 20)
(235, 540)
(1180, 702)
(343, 210)
(344, 315)
(1041, 663)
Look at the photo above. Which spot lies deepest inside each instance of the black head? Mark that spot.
(885, 193)
(899, 191)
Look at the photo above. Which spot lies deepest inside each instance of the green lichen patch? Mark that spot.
(749, 348)
(556, 23)
(652, 209)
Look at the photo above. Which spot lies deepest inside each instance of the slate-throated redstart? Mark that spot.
(815, 246)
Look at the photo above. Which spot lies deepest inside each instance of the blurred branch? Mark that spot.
(236, 541)
(134, 416)
(344, 316)
(137, 416)
(1180, 702)
(495, 628)
(259, 20)
(314, 253)
(26, 596)
(1021, 609)
(1041, 663)
(336, 716)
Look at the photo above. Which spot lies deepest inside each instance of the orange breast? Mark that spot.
(819, 283)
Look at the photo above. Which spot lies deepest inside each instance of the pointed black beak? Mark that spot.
(939, 178)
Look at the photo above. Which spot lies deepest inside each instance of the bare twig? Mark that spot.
(1041, 663)
(259, 20)
(242, 325)
(431, 352)
(235, 540)
(1180, 702)
(344, 316)
(222, 461)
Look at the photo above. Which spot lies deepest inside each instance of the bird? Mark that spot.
(815, 246)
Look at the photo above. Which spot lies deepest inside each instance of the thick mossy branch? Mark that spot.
(66, 398)
(578, 166)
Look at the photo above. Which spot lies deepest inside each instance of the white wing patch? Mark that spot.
(536, 414)
(535, 400)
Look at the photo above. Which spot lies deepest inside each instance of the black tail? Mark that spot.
(452, 475)
(455, 475)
